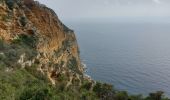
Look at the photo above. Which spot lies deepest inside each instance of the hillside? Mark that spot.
(39, 58)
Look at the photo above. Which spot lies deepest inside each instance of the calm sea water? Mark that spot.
(131, 56)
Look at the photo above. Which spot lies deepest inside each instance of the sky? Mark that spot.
(79, 9)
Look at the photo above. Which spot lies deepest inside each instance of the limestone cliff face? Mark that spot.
(52, 46)
(39, 58)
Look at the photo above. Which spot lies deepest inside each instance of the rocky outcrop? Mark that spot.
(39, 58)
(52, 46)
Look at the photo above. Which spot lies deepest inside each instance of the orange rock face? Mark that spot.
(56, 46)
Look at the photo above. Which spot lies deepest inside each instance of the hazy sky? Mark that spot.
(70, 9)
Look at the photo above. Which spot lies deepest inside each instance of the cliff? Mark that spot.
(38, 27)
(33, 39)
(39, 58)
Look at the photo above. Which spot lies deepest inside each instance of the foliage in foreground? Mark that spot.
(18, 83)
(21, 84)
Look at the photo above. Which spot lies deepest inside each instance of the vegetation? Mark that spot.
(11, 52)
(86, 85)
(22, 85)
(65, 44)
(73, 65)
(1, 44)
(1, 1)
(10, 4)
(28, 83)
(104, 91)
(27, 40)
(23, 20)
(6, 18)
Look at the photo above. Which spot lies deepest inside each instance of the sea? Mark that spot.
(133, 56)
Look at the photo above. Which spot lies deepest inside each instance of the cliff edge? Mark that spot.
(39, 58)
(53, 46)
(36, 45)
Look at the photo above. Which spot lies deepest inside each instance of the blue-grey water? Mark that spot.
(133, 56)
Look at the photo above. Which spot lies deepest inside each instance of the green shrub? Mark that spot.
(61, 77)
(23, 20)
(136, 97)
(66, 44)
(6, 18)
(104, 90)
(1, 1)
(156, 96)
(26, 39)
(11, 57)
(1, 44)
(61, 86)
(87, 85)
(62, 63)
(58, 52)
(97, 88)
(11, 54)
(73, 65)
(10, 4)
(74, 61)
(87, 95)
(36, 93)
(121, 95)
(37, 74)
(7, 91)
(2, 65)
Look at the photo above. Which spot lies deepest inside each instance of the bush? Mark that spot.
(87, 95)
(61, 77)
(1, 44)
(2, 65)
(25, 39)
(136, 97)
(66, 44)
(156, 96)
(37, 74)
(11, 54)
(61, 86)
(36, 93)
(6, 18)
(10, 4)
(6, 91)
(1, 1)
(73, 65)
(104, 90)
(87, 85)
(97, 88)
(121, 95)
(11, 57)
(23, 20)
